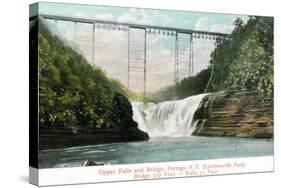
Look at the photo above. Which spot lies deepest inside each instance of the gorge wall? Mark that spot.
(232, 113)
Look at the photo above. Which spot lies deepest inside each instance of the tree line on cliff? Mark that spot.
(244, 60)
(241, 61)
(74, 93)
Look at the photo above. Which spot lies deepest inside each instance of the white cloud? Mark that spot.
(126, 18)
(135, 15)
(81, 15)
(222, 28)
(202, 24)
(201, 54)
(156, 39)
(111, 53)
(129, 16)
(166, 19)
(207, 24)
(111, 46)
(160, 58)
(106, 16)
(111, 50)
(160, 62)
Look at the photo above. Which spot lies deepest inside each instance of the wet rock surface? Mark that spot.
(232, 113)
(94, 163)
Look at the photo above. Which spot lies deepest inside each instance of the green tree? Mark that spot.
(244, 60)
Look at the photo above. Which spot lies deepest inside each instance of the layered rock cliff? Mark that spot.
(231, 113)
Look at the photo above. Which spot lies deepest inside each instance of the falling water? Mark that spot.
(169, 118)
(163, 121)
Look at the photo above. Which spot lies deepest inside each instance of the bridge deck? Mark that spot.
(130, 25)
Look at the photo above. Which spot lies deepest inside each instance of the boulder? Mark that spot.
(94, 163)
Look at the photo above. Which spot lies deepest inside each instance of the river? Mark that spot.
(169, 125)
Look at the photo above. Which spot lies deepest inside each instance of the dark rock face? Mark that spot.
(122, 113)
(124, 129)
(94, 163)
(88, 163)
(231, 113)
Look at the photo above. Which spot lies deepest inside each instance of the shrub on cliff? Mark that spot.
(244, 60)
(73, 93)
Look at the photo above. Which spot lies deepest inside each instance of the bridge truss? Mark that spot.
(137, 46)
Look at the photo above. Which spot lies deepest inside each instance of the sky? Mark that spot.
(111, 49)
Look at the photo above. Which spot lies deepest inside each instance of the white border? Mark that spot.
(112, 173)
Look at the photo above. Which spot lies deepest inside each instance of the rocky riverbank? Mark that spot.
(125, 129)
(238, 114)
(53, 138)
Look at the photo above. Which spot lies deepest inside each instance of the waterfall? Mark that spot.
(169, 118)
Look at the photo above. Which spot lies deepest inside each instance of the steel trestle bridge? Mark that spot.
(137, 45)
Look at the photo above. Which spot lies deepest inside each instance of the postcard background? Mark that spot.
(14, 90)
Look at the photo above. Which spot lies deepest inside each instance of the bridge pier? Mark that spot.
(183, 58)
(144, 84)
(176, 70)
(93, 43)
(137, 46)
(191, 65)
